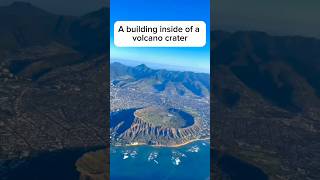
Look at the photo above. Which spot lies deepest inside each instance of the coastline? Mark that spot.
(168, 146)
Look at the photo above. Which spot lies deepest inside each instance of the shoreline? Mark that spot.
(168, 146)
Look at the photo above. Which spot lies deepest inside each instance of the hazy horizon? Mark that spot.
(63, 7)
(159, 66)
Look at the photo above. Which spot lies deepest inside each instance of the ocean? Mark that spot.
(189, 162)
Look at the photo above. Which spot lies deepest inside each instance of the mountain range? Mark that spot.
(197, 84)
(84, 34)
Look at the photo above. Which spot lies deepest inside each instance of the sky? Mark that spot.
(193, 59)
(65, 7)
(283, 17)
(280, 17)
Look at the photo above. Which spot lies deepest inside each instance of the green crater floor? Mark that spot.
(160, 116)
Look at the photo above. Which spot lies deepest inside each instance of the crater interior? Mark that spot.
(165, 117)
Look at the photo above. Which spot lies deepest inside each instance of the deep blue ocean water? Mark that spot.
(189, 162)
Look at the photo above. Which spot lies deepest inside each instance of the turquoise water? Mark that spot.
(189, 162)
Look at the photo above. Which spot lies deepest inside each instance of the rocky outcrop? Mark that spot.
(93, 166)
